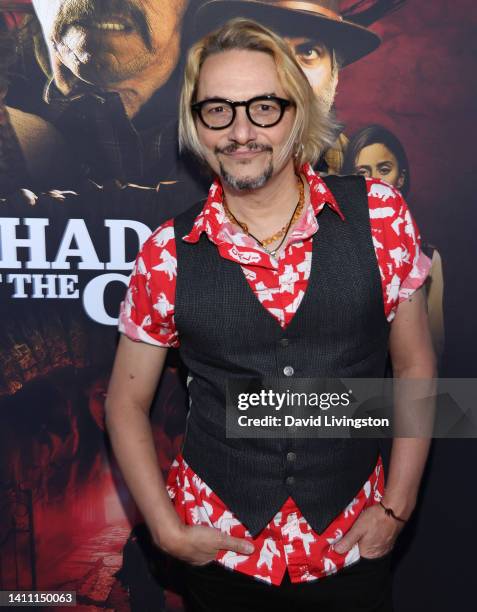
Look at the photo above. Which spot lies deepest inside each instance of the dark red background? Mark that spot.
(421, 84)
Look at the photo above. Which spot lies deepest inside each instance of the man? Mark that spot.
(274, 276)
(108, 61)
(322, 40)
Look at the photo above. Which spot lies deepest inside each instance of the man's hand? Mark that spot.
(199, 544)
(374, 532)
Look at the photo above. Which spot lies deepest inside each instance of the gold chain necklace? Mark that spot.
(282, 233)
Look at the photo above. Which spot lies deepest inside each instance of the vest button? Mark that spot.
(290, 480)
(284, 342)
(288, 371)
(291, 456)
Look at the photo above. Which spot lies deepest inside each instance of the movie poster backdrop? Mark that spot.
(73, 217)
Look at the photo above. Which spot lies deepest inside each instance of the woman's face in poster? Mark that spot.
(377, 161)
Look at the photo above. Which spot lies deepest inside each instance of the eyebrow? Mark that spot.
(260, 95)
(310, 44)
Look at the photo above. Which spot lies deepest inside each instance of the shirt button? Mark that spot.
(291, 456)
(290, 480)
(284, 342)
(288, 371)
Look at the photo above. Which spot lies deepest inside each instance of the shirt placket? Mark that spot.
(295, 543)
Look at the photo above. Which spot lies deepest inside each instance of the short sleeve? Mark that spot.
(397, 242)
(147, 312)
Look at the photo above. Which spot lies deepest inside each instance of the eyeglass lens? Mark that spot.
(218, 113)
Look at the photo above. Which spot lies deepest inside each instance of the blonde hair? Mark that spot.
(313, 130)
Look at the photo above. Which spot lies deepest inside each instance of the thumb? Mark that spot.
(238, 545)
(349, 540)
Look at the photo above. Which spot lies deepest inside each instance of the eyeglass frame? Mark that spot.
(284, 104)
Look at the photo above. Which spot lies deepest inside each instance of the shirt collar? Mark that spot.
(147, 118)
(212, 216)
(53, 94)
(59, 103)
(319, 192)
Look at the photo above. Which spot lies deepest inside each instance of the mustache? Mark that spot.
(234, 146)
(83, 11)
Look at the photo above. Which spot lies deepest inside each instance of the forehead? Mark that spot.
(375, 153)
(239, 75)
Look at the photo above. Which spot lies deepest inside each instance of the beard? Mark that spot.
(248, 182)
(327, 93)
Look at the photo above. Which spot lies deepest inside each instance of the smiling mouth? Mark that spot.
(115, 24)
(243, 153)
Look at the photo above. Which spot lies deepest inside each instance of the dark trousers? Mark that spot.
(362, 587)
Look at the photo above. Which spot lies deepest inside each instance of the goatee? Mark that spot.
(248, 182)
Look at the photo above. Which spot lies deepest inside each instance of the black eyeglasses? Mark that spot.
(262, 111)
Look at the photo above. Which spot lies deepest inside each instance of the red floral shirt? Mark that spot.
(147, 315)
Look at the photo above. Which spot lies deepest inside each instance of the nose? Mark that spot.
(242, 129)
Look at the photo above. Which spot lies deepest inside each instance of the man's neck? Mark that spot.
(267, 209)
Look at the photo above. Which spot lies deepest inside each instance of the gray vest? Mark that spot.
(339, 330)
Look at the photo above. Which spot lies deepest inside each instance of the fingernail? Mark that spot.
(249, 548)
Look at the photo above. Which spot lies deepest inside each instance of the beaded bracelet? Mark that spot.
(390, 512)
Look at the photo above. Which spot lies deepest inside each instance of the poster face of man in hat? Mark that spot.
(320, 37)
(128, 46)
(108, 63)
